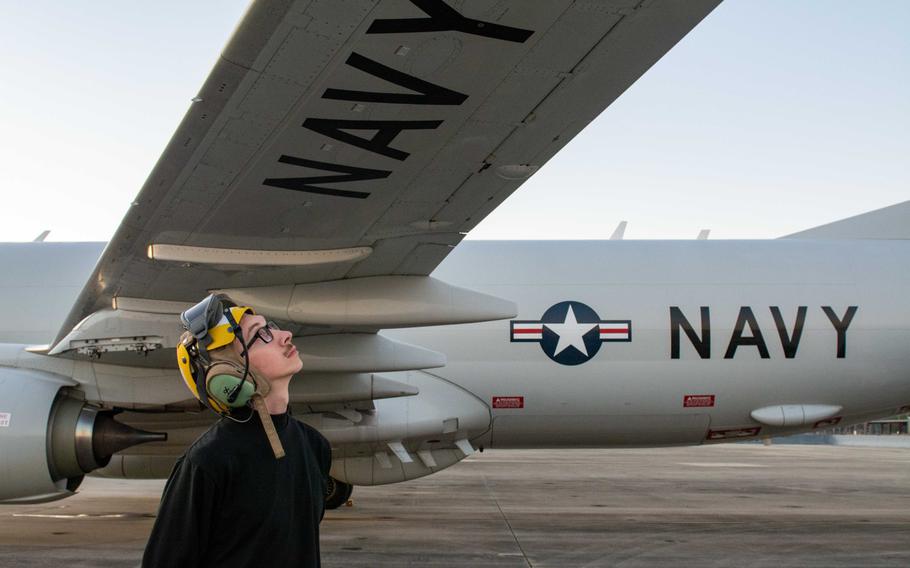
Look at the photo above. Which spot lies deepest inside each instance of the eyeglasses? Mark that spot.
(264, 333)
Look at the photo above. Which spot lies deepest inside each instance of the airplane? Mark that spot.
(327, 173)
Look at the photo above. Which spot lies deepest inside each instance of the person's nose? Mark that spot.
(284, 337)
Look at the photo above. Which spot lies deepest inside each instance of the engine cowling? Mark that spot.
(49, 439)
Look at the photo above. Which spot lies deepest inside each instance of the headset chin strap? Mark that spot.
(270, 432)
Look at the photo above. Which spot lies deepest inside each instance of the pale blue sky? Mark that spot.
(770, 117)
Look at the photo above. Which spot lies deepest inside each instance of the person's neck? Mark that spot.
(276, 402)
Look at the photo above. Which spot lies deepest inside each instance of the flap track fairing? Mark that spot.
(380, 302)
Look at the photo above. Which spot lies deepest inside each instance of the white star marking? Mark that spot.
(571, 333)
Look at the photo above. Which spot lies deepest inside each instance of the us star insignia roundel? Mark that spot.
(570, 333)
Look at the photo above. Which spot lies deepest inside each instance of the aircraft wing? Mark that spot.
(335, 140)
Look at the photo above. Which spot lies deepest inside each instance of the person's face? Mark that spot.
(277, 359)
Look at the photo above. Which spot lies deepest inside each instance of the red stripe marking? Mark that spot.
(528, 330)
(625, 330)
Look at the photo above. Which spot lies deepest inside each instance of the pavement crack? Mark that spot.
(508, 524)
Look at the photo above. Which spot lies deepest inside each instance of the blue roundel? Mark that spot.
(571, 335)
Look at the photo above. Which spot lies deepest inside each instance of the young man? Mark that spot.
(230, 500)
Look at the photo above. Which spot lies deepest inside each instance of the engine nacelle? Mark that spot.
(49, 440)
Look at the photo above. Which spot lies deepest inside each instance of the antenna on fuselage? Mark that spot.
(703, 235)
(619, 232)
(40, 238)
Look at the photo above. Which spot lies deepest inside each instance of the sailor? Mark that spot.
(250, 491)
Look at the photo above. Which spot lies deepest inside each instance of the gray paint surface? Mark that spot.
(524, 99)
(631, 393)
(39, 283)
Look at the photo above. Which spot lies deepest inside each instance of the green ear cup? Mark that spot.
(220, 386)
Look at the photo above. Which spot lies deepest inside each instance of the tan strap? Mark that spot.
(270, 432)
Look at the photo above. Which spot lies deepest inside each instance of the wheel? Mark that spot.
(337, 493)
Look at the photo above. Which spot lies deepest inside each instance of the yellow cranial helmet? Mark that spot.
(223, 333)
(212, 324)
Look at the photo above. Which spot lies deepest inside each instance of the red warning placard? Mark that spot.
(698, 400)
(508, 402)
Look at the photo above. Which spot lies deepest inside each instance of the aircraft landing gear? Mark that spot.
(337, 493)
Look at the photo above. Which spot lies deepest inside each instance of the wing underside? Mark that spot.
(387, 128)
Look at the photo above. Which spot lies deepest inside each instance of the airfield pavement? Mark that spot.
(734, 505)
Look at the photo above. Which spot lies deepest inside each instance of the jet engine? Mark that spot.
(49, 439)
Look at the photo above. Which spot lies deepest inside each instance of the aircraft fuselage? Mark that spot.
(716, 330)
(628, 342)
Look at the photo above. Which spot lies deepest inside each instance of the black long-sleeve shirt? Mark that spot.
(229, 502)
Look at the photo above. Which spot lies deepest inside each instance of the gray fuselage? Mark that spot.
(644, 391)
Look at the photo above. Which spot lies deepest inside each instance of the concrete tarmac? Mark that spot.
(731, 505)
